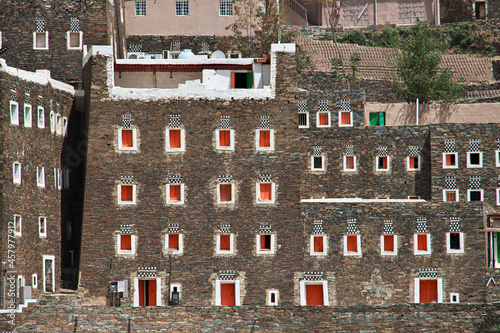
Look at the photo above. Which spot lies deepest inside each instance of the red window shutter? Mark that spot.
(428, 291)
(233, 80)
(173, 241)
(175, 138)
(422, 242)
(225, 242)
(265, 191)
(142, 296)
(346, 118)
(451, 196)
(125, 242)
(224, 138)
(349, 162)
(384, 162)
(175, 193)
(414, 162)
(448, 160)
(264, 138)
(263, 242)
(318, 244)
(389, 243)
(152, 292)
(352, 243)
(127, 191)
(314, 294)
(127, 138)
(323, 119)
(225, 192)
(227, 294)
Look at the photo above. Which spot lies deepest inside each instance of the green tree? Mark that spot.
(418, 71)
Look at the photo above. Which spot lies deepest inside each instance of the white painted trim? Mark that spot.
(257, 194)
(307, 120)
(28, 115)
(450, 166)
(408, 163)
(456, 195)
(16, 172)
(340, 119)
(323, 163)
(41, 117)
(353, 200)
(237, 292)
(415, 243)
(217, 139)
(134, 194)
(377, 164)
(302, 288)
(40, 233)
(475, 190)
(497, 158)
(344, 164)
(265, 252)
(40, 176)
(80, 40)
(358, 243)
(382, 243)
(181, 201)
(448, 246)
(311, 246)
(53, 258)
(231, 244)
(329, 125)
(475, 166)
(14, 113)
(498, 196)
(257, 140)
(416, 289)
(167, 140)
(268, 297)
(181, 243)
(232, 201)
(46, 40)
(133, 241)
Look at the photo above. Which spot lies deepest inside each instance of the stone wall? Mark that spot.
(466, 318)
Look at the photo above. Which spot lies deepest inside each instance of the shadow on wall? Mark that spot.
(405, 114)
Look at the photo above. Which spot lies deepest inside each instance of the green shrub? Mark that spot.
(355, 37)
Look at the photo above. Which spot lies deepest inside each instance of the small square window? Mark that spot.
(454, 298)
(59, 127)
(18, 221)
(127, 139)
(303, 120)
(474, 195)
(175, 194)
(140, 8)
(225, 193)
(272, 298)
(182, 8)
(225, 243)
(317, 163)
(265, 243)
(126, 243)
(16, 171)
(323, 119)
(34, 281)
(450, 160)
(345, 118)
(41, 117)
(474, 159)
(455, 242)
(28, 116)
(382, 163)
(41, 40)
(174, 243)
(14, 113)
(352, 245)
(389, 245)
(266, 193)
(42, 227)
(225, 7)
(175, 140)
(74, 40)
(349, 163)
(52, 119)
(413, 163)
(224, 139)
(450, 195)
(264, 140)
(422, 243)
(40, 176)
(318, 245)
(126, 194)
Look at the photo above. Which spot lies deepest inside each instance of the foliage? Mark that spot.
(354, 37)
(388, 37)
(417, 66)
(340, 75)
(460, 36)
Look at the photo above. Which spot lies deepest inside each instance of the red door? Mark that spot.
(314, 294)
(151, 292)
(428, 291)
(227, 294)
(147, 292)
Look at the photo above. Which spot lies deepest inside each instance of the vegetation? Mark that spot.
(417, 66)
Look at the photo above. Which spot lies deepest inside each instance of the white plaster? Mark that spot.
(40, 76)
(105, 50)
(355, 200)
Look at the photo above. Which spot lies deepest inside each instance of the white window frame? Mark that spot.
(445, 199)
(498, 196)
(180, 202)
(224, 7)
(408, 163)
(231, 244)
(416, 251)
(237, 291)
(59, 179)
(139, 11)
(257, 194)
(180, 250)
(134, 194)
(16, 173)
(307, 120)
(311, 245)
(58, 124)
(64, 126)
(475, 190)
(35, 47)
(382, 243)
(270, 292)
(450, 166)
(232, 201)
(497, 158)
(34, 281)
(52, 119)
(18, 225)
(14, 113)
(358, 250)
(40, 233)
(167, 140)
(53, 259)
(158, 290)
(0, 39)
(179, 289)
(323, 163)
(454, 298)
(217, 139)
(303, 296)
(377, 168)
(475, 166)
(265, 252)
(344, 164)
(28, 115)
(448, 245)
(41, 117)
(80, 40)
(340, 119)
(134, 139)
(329, 125)
(257, 140)
(133, 240)
(416, 290)
(40, 176)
